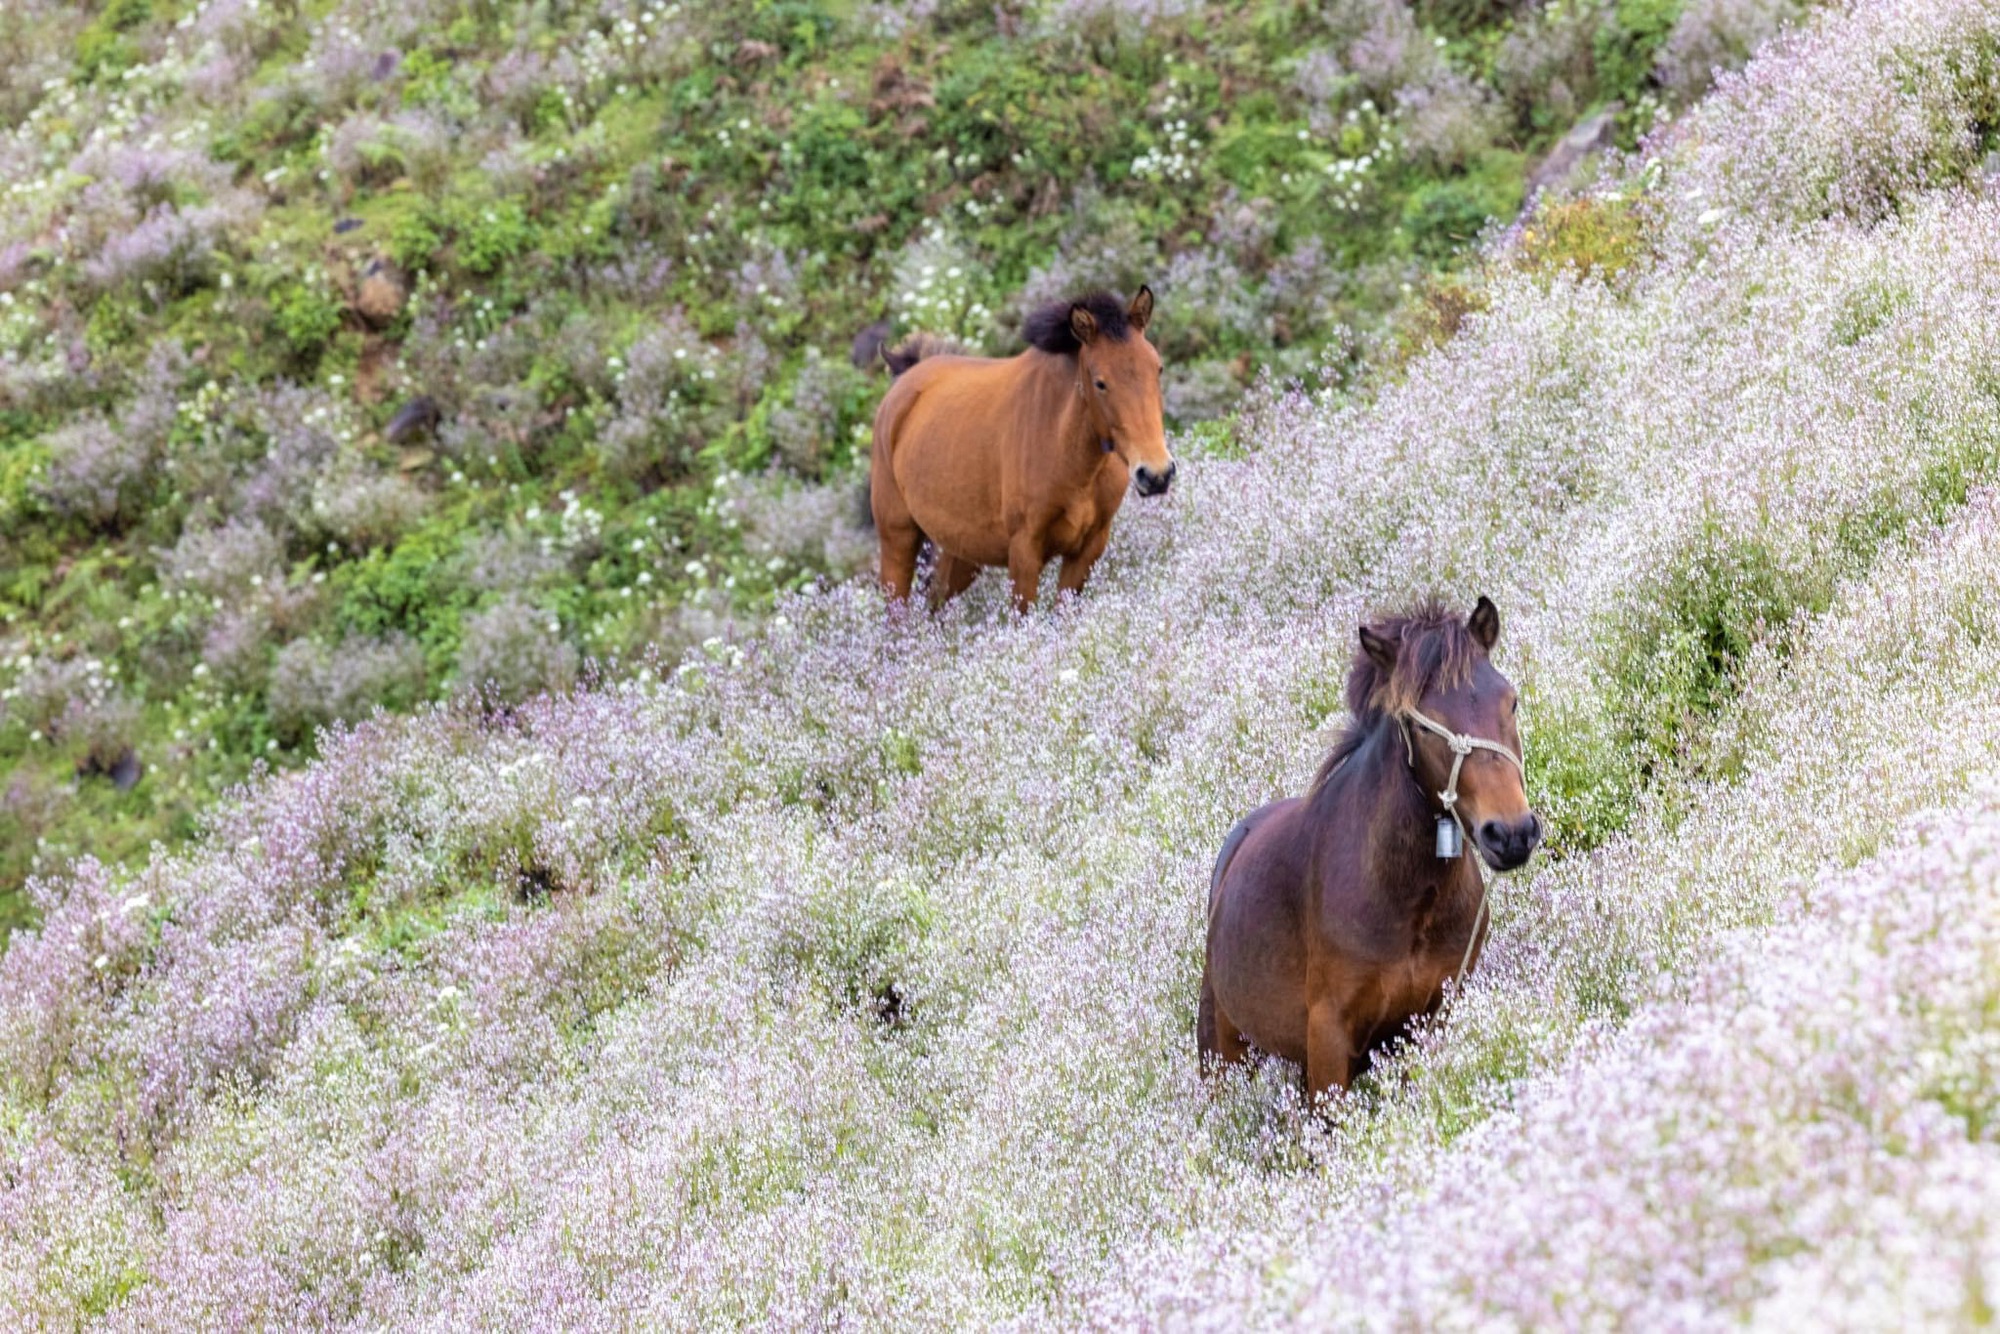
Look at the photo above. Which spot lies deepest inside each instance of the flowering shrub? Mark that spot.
(172, 247)
(828, 398)
(1112, 20)
(381, 277)
(96, 471)
(933, 287)
(669, 402)
(1446, 122)
(512, 650)
(313, 685)
(225, 561)
(1856, 137)
(56, 699)
(361, 508)
(1712, 35)
(805, 530)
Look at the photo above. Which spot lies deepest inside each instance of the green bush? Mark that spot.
(102, 49)
(306, 318)
(1442, 218)
(768, 177)
(1624, 49)
(495, 234)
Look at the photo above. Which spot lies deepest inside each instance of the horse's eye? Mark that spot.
(1100, 386)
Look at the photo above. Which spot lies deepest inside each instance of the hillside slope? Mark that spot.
(355, 354)
(848, 970)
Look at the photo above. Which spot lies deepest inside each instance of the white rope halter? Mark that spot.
(1461, 746)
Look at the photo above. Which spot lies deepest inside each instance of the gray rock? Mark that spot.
(414, 420)
(1593, 134)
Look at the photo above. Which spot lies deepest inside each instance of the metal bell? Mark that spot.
(1450, 841)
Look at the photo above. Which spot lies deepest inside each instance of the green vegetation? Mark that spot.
(356, 358)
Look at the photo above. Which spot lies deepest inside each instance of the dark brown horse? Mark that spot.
(1021, 460)
(1335, 918)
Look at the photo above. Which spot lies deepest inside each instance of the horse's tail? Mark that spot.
(919, 347)
(1223, 858)
(1204, 1015)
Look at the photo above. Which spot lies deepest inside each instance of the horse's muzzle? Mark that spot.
(1152, 483)
(1509, 843)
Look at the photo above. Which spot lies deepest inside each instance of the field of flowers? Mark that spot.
(362, 353)
(842, 970)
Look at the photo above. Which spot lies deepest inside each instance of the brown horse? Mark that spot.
(1335, 918)
(1020, 460)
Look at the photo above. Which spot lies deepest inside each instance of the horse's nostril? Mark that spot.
(1492, 834)
(1166, 478)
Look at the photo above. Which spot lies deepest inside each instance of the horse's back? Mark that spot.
(906, 391)
(1230, 842)
(941, 441)
(1238, 834)
(946, 375)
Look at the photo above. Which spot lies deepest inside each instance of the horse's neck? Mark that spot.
(1052, 380)
(1374, 812)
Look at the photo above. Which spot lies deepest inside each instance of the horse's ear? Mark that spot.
(1484, 623)
(1381, 649)
(1083, 324)
(1140, 313)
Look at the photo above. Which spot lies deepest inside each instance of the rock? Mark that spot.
(414, 420)
(382, 292)
(1593, 134)
(124, 769)
(345, 225)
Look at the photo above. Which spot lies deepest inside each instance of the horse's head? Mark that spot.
(1457, 711)
(1118, 374)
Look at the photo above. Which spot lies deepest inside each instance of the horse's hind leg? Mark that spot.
(900, 545)
(1216, 1038)
(900, 541)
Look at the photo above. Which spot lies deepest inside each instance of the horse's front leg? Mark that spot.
(1076, 569)
(951, 577)
(1330, 1050)
(1025, 559)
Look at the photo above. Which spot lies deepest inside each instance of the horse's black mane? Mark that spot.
(1048, 327)
(1437, 651)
